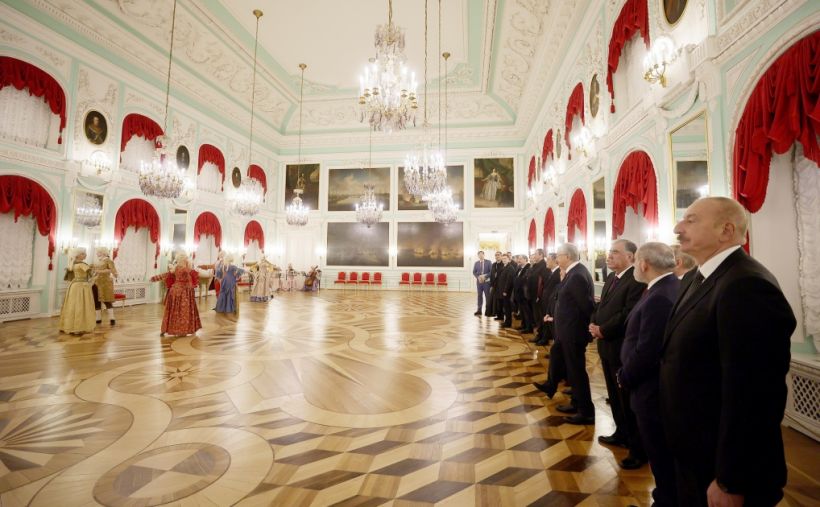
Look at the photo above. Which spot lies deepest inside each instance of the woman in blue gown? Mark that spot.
(229, 275)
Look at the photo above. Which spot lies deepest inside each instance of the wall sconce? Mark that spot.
(98, 163)
(110, 244)
(660, 56)
(582, 141)
(66, 243)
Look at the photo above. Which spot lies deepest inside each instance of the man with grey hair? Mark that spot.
(640, 359)
(572, 313)
(723, 367)
(683, 262)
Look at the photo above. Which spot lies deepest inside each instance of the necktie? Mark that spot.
(693, 287)
(614, 284)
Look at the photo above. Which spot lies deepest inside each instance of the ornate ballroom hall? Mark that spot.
(292, 196)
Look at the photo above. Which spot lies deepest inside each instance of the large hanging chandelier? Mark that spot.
(89, 213)
(425, 171)
(161, 177)
(247, 198)
(369, 211)
(387, 91)
(296, 213)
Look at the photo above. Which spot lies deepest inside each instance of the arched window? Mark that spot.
(211, 172)
(577, 219)
(633, 19)
(29, 101)
(549, 231)
(575, 108)
(257, 173)
(635, 188)
(138, 142)
(254, 241)
(532, 236)
(207, 237)
(136, 228)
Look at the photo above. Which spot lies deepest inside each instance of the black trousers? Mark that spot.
(650, 428)
(610, 366)
(491, 303)
(575, 354)
(525, 307)
(537, 315)
(507, 307)
(557, 367)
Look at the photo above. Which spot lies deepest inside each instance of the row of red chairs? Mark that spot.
(355, 280)
(429, 279)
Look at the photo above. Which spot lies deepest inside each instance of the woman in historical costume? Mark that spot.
(290, 278)
(229, 275)
(181, 315)
(77, 313)
(220, 259)
(104, 272)
(491, 185)
(263, 287)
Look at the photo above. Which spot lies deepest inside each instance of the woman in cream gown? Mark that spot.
(104, 273)
(77, 312)
(263, 287)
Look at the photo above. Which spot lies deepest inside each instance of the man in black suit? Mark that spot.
(520, 291)
(506, 278)
(640, 358)
(535, 285)
(572, 313)
(557, 366)
(723, 367)
(620, 294)
(494, 308)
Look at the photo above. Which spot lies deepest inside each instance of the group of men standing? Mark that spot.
(694, 361)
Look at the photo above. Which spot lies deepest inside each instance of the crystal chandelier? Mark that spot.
(368, 211)
(161, 177)
(296, 213)
(90, 213)
(443, 207)
(247, 199)
(387, 92)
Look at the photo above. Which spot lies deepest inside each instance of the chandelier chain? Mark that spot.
(258, 15)
(301, 100)
(170, 59)
(439, 74)
(425, 64)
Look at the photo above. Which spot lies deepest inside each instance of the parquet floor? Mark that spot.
(345, 398)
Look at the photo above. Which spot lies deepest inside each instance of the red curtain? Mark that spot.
(137, 213)
(207, 223)
(257, 173)
(253, 231)
(27, 198)
(634, 17)
(549, 230)
(532, 237)
(531, 172)
(210, 153)
(575, 106)
(783, 108)
(23, 75)
(548, 150)
(577, 215)
(138, 125)
(636, 185)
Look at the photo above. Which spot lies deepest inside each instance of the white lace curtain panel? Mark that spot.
(18, 251)
(133, 256)
(137, 150)
(24, 118)
(206, 251)
(253, 252)
(807, 185)
(209, 179)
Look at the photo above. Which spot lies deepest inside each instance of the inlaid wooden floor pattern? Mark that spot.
(336, 398)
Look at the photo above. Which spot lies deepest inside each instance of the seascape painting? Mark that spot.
(355, 244)
(430, 244)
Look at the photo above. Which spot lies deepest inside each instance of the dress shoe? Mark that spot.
(478, 313)
(632, 463)
(567, 409)
(567, 391)
(545, 388)
(613, 439)
(579, 419)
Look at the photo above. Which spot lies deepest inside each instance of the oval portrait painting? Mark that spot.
(183, 157)
(95, 127)
(594, 98)
(673, 10)
(236, 177)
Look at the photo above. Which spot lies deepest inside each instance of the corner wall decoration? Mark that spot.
(430, 244)
(494, 183)
(95, 127)
(355, 244)
(345, 187)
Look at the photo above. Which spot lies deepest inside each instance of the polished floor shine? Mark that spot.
(348, 398)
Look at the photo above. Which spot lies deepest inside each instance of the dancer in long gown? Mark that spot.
(104, 273)
(77, 312)
(229, 274)
(263, 288)
(181, 315)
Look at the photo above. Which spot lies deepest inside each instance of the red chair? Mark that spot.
(377, 279)
(442, 280)
(341, 278)
(405, 279)
(354, 278)
(416, 278)
(119, 296)
(429, 279)
(365, 279)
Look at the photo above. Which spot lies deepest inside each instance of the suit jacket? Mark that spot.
(610, 313)
(505, 280)
(641, 350)
(722, 378)
(535, 280)
(573, 309)
(487, 268)
(495, 270)
(547, 299)
(520, 282)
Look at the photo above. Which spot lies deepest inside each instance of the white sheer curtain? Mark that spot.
(24, 118)
(253, 253)
(628, 79)
(137, 150)
(807, 185)
(17, 252)
(134, 256)
(209, 179)
(206, 251)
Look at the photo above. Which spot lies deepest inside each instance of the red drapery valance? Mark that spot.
(531, 172)
(137, 213)
(22, 75)
(138, 125)
(207, 223)
(548, 150)
(257, 173)
(636, 185)
(532, 237)
(634, 17)
(549, 230)
(783, 108)
(575, 106)
(577, 215)
(25, 197)
(253, 231)
(210, 153)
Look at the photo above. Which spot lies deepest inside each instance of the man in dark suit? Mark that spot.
(557, 366)
(506, 278)
(481, 272)
(535, 285)
(572, 313)
(495, 307)
(620, 294)
(520, 289)
(723, 366)
(640, 358)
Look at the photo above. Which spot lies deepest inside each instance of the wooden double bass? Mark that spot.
(311, 278)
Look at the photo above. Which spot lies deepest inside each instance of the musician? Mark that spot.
(312, 279)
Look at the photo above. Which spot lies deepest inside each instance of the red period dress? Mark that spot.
(181, 314)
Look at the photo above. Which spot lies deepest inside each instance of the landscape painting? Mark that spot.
(346, 186)
(430, 244)
(355, 244)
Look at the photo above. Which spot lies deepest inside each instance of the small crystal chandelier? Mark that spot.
(441, 203)
(247, 199)
(296, 212)
(90, 213)
(369, 211)
(161, 177)
(387, 98)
